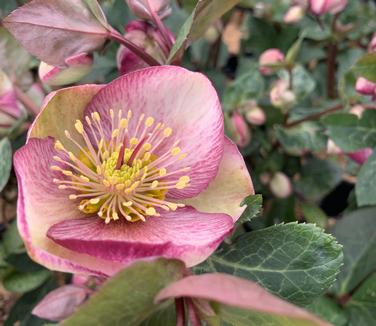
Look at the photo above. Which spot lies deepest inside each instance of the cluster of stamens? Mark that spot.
(120, 175)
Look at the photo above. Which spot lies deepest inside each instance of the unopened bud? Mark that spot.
(144, 8)
(280, 185)
(372, 44)
(255, 116)
(360, 156)
(293, 15)
(281, 96)
(269, 61)
(357, 110)
(320, 7)
(76, 67)
(241, 134)
(332, 148)
(365, 87)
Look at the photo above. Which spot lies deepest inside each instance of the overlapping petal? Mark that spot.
(182, 100)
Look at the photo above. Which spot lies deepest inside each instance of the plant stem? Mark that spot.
(331, 62)
(314, 116)
(26, 101)
(180, 312)
(134, 48)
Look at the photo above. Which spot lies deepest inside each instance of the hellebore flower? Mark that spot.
(10, 110)
(270, 58)
(365, 87)
(135, 169)
(76, 67)
(320, 7)
(147, 37)
(144, 8)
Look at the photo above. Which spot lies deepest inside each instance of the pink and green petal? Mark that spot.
(185, 234)
(235, 292)
(41, 204)
(60, 111)
(184, 101)
(231, 185)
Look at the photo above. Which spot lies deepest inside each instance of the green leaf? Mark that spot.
(97, 12)
(297, 262)
(294, 50)
(254, 207)
(12, 241)
(305, 136)
(362, 305)
(203, 15)
(24, 282)
(5, 162)
(163, 317)
(128, 297)
(357, 233)
(318, 178)
(328, 310)
(366, 67)
(366, 183)
(314, 214)
(351, 133)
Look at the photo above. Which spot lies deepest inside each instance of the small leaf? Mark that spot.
(350, 133)
(297, 262)
(5, 162)
(24, 282)
(357, 233)
(366, 67)
(54, 30)
(314, 214)
(132, 302)
(294, 50)
(203, 15)
(12, 241)
(328, 310)
(254, 207)
(366, 182)
(362, 305)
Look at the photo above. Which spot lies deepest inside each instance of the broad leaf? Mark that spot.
(297, 262)
(366, 67)
(54, 30)
(350, 133)
(5, 162)
(305, 136)
(362, 305)
(128, 297)
(24, 282)
(357, 233)
(328, 310)
(203, 15)
(366, 182)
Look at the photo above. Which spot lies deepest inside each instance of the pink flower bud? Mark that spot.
(242, 134)
(10, 110)
(146, 37)
(293, 15)
(365, 87)
(76, 67)
(372, 44)
(255, 116)
(281, 96)
(360, 156)
(320, 7)
(144, 8)
(280, 185)
(357, 110)
(268, 59)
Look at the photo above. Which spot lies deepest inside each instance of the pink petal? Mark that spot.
(361, 156)
(41, 204)
(182, 100)
(54, 30)
(236, 292)
(186, 234)
(60, 303)
(231, 185)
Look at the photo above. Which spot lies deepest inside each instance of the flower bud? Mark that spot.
(365, 87)
(332, 148)
(360, 156)
(10, 110)
(293, 15)
(372, 44)
(146, 37)
(255, 116)
(281, 96)
(76, 67)
(357, 110)
(144, 8)
(320, 7)
(241, 135)
(268, 59)
(280, 185)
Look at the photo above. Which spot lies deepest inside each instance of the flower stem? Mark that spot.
(26, 101)
(180, 312)
(114, 35)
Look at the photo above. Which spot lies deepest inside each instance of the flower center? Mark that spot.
(120, 175)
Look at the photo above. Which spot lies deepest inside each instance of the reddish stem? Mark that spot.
(26, 101)
(180, 312)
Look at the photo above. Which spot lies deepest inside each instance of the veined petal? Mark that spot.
(184, 101)
(185, 234)
(60, 111)
(41, 204)
(231, 185)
